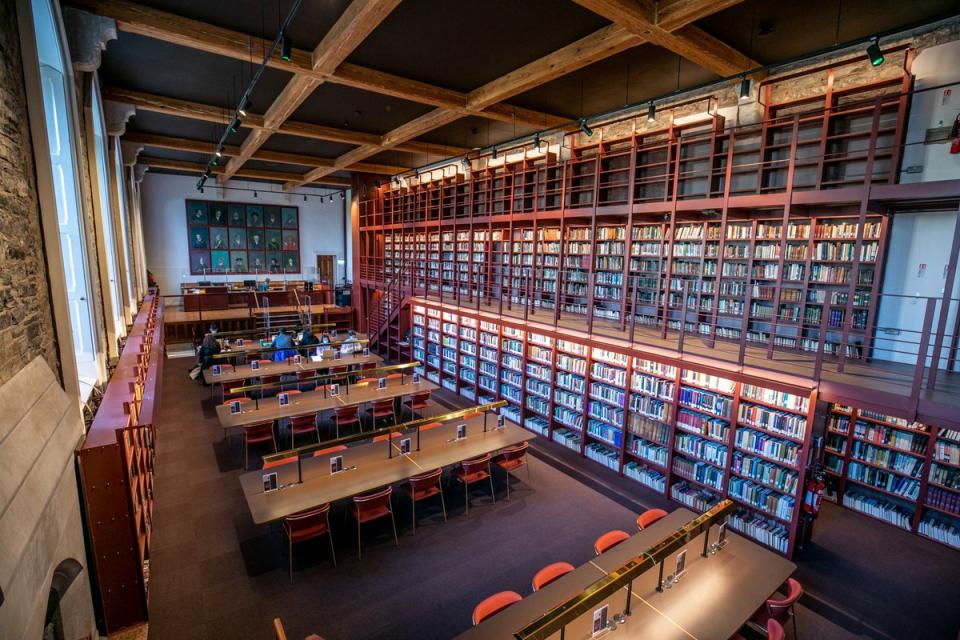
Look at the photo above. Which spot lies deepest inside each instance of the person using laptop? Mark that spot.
(283, 344)
(307, 340)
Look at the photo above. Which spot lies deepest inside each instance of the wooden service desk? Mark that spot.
(245, 372)
(315, 401)
(374, 467)
(715, 597)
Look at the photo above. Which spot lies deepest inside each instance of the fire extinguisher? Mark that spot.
(955, 134)
(813, 494)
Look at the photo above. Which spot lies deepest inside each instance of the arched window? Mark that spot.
(114, 303)
(55, 88)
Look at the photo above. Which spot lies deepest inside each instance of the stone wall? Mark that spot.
(26, 321)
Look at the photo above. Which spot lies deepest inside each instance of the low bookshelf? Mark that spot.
(906, 474)
(691, 434)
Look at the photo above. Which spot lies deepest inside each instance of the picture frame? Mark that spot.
(215, 370)
(234, 407)
(270, 482)
(600, 621)
(404, 446)
(336, 464)
(283, 399)
(381, 384)
(461, 431)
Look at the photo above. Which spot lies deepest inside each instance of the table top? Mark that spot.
(712, 600)
(244, 372)
(314, 401)
(368, 466)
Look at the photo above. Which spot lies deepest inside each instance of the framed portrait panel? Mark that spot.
(237, 237)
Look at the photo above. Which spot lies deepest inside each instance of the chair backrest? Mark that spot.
(240, 399)
(515, 452)
(383, 405)
(419, 399)
(315, 518)
(431, 425)
(425, 480)
(609, 540)
(269, 379)
(373, 501)
(779, 610)
(775, 630)
(494, 604)
(365, 381)
(278, 463)
(264, 363)
(550, 573)
(259, 429)
(394, 376)
(337, 370)
(306, 422)
(344, 414)
(648, 517)
(323, 452)
(306, 375)
(476, 464)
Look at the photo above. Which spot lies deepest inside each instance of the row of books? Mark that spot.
(604, 455)
(893, 460)
(605, 432)
(944, 500)
(892, 483)
(690, 421)
(706, 401)
(789, 424)
(878, 507)
(941, 528)
(648, 451)
(789, 401)
(706, 450)
(765, 472)
(646, 476)
(880, 434)
(763, 498)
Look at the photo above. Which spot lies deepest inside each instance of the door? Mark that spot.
(325, 266)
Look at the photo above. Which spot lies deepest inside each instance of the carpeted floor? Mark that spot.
(216, 575)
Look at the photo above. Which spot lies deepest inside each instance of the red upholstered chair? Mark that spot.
(269, 380)
(780, 609)
(345, 416)
(301, 426)
(431, 425)
(550, 573)
(472, 471)
(775, 630)
(306, 380)
(243, 399)
(511, 459)
(423, 486)
(494, 605)
(382, 409)
(609, 540)
(329, 450)
(367, 381)
(648, 517)
(373, 506)
(418, 402)
(257, 434)
(307, 525)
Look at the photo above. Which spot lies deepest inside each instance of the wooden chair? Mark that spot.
(345, 416)
(511, 459)
(494, 605)
(256, 434)
(472, 471)
(550, 573)
(373, 506)
(421, 487)
(307, 525)
(648, 517)
(609, 540)
(418, 402)
(382, 409)
(302, 425)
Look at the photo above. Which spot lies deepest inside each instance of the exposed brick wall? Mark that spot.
(26, 321)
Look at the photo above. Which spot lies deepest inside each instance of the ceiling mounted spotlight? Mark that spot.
(235, 125)
(494, 153)
(465, 162)
(245, 107)
(874, 53)
(254, 193)
(218, 153)
(343, 195)
(536, 140)
(651, 112)
(286, 46)
(746, 86)
(583, 127)
(304, 197)
(213, 161)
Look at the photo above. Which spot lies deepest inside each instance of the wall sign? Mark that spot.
(234, 237)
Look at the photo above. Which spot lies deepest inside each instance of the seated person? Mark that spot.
(208, 348)
(265, 286)
(307, 340)
(283, 344)
(325, 339)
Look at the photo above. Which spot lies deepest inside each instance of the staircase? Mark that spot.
(387, 312)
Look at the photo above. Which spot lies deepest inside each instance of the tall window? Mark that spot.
(103, 194)
(54, 80)
(124, 232)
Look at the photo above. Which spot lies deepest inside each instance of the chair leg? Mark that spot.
(290, 558)
(393, 521)
(333, 554)
(793, 614)
(492, 494)
(359, 548)
(443, 504)
(508, 486)
(413, 508)
(246, 451)
(466, 498)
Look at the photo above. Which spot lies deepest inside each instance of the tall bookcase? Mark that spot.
(902, 473)
(683, 432)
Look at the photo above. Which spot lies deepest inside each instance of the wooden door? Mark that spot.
(325, 269)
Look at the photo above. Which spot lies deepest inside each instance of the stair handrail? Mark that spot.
(266, 314)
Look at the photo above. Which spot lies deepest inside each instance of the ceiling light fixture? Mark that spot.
(343, 195)
(745, 89)
(235, 125)
(586, 129)
(652, 112)
(286, 46)
(874, 52)
(245, 107)
(254, 193)
(536, 140)
(494, 153)
(304, 197)
(465, 162)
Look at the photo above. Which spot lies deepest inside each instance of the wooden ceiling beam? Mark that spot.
(201, 36)
(644, 21)
(255, 174)
(207, 113)
(358, 21)
(281, 157)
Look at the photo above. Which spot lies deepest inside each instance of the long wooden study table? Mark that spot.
(316, 401)
(242, 372)
(713, 599)
(369, 466)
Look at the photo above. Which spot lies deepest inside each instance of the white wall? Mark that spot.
(165, 226)
(916, 239)
(931, 109)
